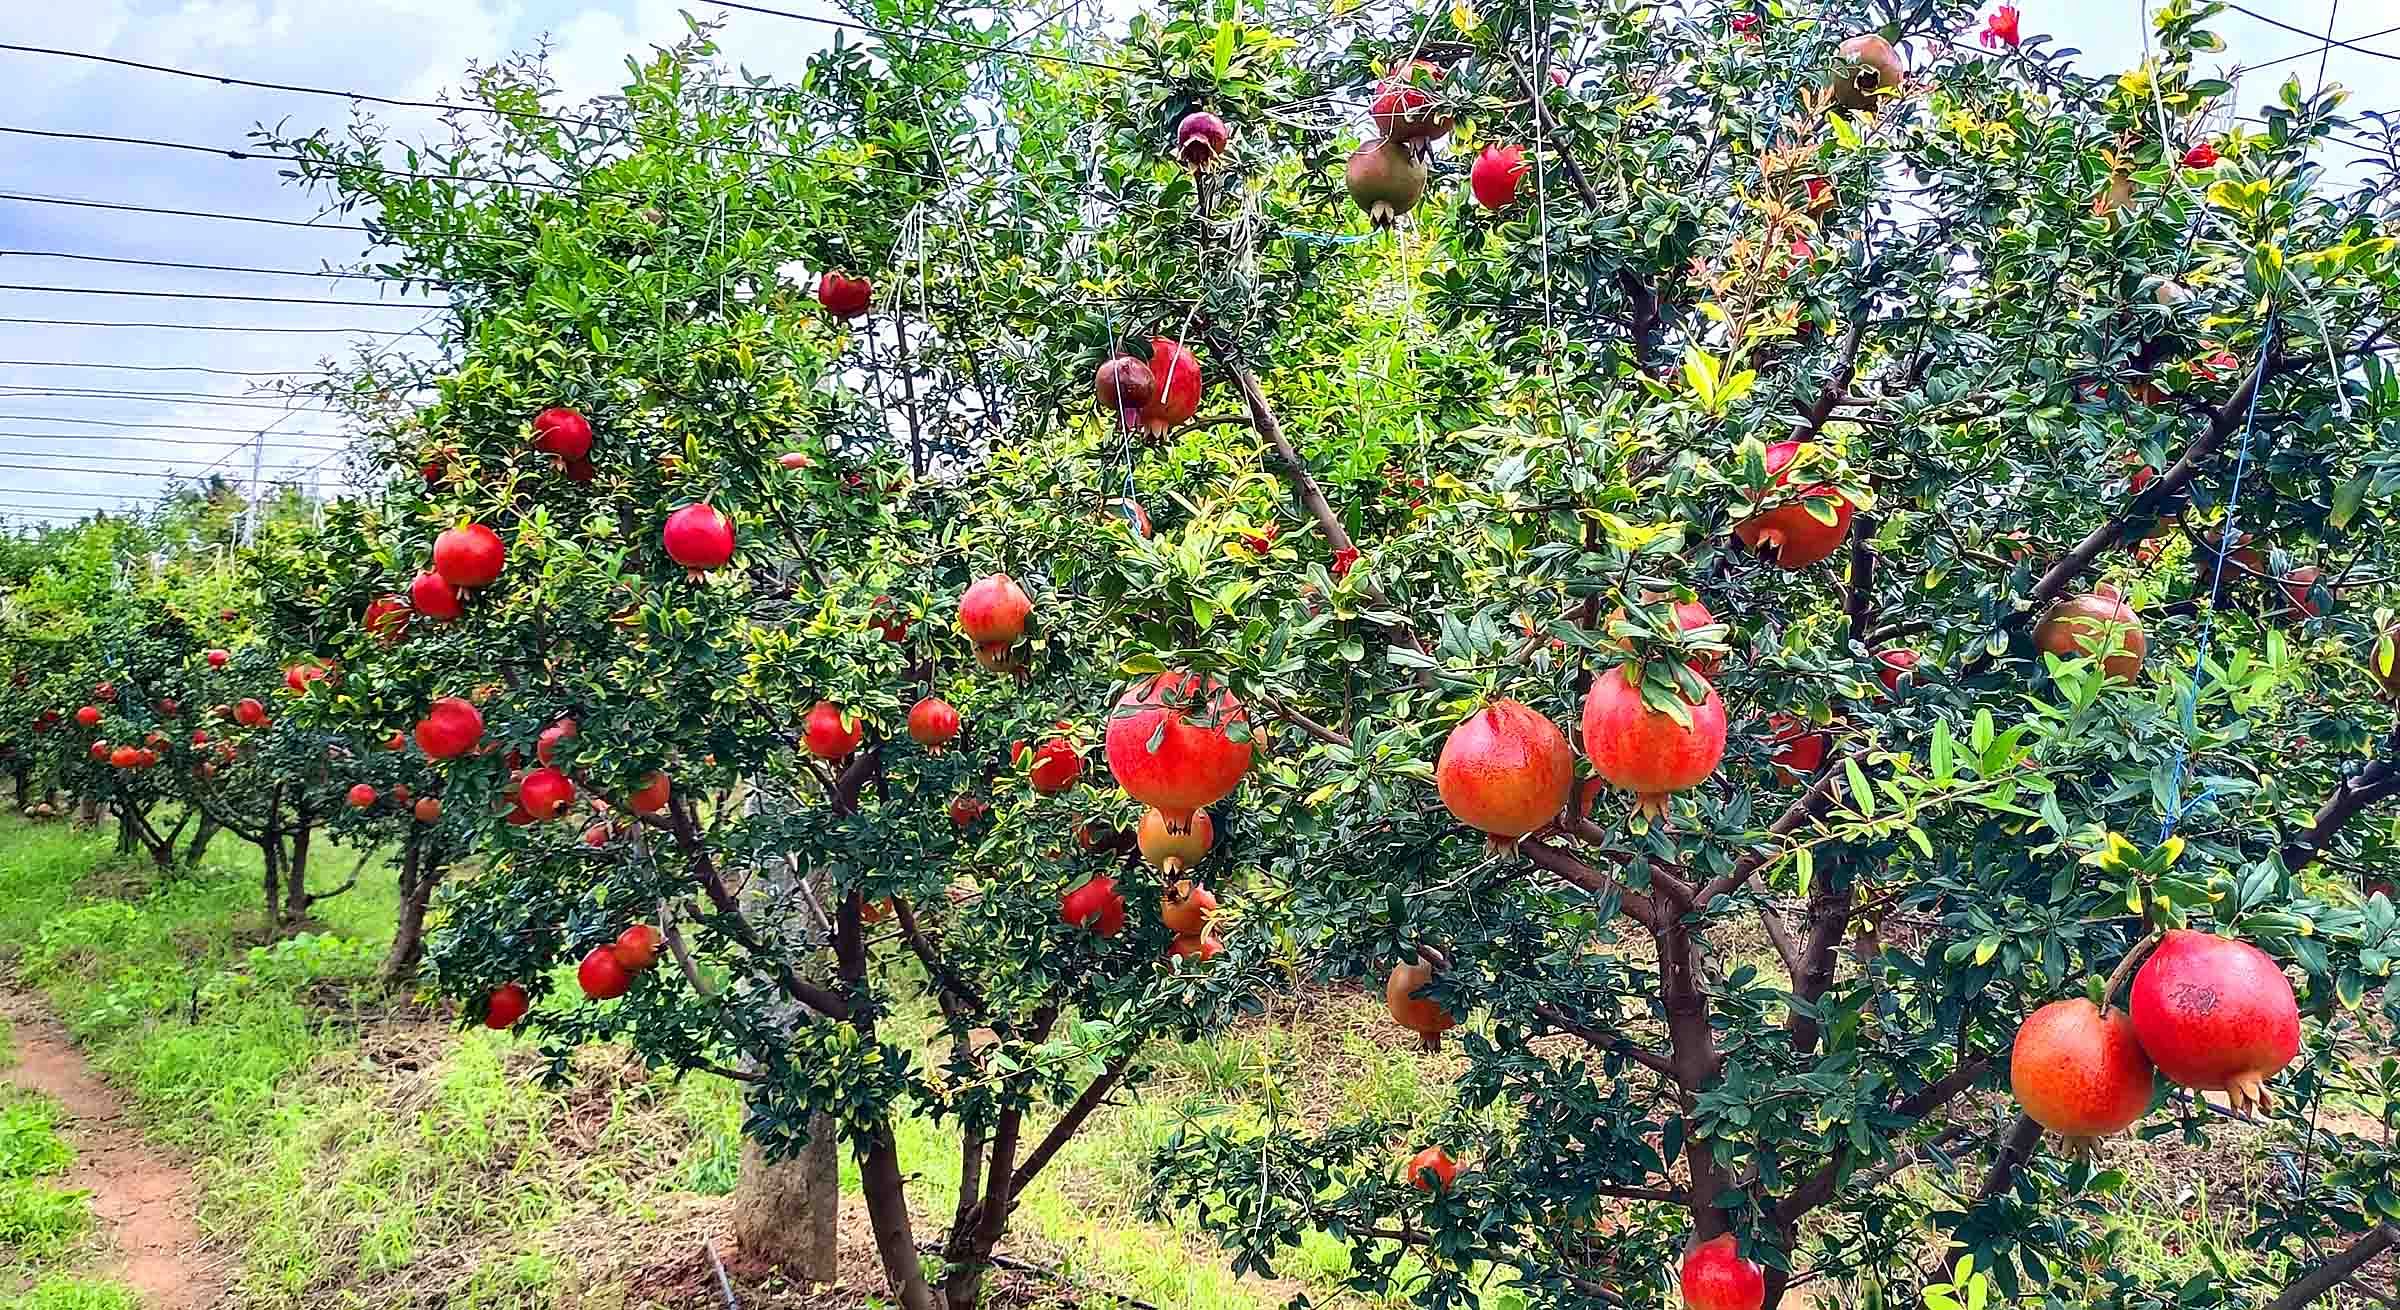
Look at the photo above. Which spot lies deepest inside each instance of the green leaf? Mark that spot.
(1861, 793)
(2347, 498)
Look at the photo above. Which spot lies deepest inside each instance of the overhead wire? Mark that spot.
(2344, 43)
(242, 440)
(162, 427)
(214, 295)
(214, 327)
(222, 268)
(165, 368)
(206, 399)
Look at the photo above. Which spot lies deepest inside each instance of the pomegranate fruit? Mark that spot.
(125, 757)
(966, 810)
(217, 658)
(562, 432)
(637, 947)
(1716, 1277)
(99, 750)
(386, 618)
(932, 722)
(1403, 105)
(1644, 750)
(1891, 664)
(994, 610)
(2079, 1071)
(431, 595)
(429, 810)
(1170, 851)
(1866, 68)
(1494, 178)
(1202, 948)
(361, 796)
(1420, 1015)
(1384, 181)
(1800, 750)
(546, 745)
(844, 296)
(1176, 371)
(451, 727)
(831, 733)
(2092, 622)
(2299, 587)
(698, 537)
(2215, 1015)
(1789, 533)
(1689, 615)
(1096, 905)
(545, 793)
(1055, 766)
(250, 714)
(469, 556)
(1199, 139)
(1170, 748)
(1505, 771)
(1432, 1170)
(88, 716)
(651, 796)
(602, 976)
(888, 620)
(507, 1004)
(1124, 387)
(1186, 908)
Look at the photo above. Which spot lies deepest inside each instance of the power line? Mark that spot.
(167, 368)
(213, 327)
(2314, 36)
(148, 459)
(2323, 43)
(163, 427)
(79, 203)
(205, 399)
(223, 268)
(244, 441)
(114, 497)
(121, 473)
(217, 295)
(898, 34)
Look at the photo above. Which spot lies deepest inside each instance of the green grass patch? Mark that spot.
(68, 1293)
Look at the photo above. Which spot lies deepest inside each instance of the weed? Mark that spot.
(66, 1293)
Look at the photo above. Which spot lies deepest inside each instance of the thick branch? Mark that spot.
(2325, 1277)
(2023, 1135)
(737, 925)
(1573, 870)
(1809, 806)
(1916, 1106)
(1858, 595)
(1064, 1130)
(1828, 925)
(2378, 781)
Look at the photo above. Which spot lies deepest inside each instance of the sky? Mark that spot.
(65, 450)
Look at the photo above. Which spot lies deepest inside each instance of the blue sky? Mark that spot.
(414, 49)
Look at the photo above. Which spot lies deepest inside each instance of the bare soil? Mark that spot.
(142, 1200)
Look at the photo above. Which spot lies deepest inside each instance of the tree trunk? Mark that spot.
(87, 810)
(201, 840)
(272, 849)
(420, 873)
(296, 900)
(887, 1211)
(22, 774)
(786, 1212)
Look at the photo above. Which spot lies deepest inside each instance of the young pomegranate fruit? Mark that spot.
(469, 556)
(965, 811)
(1195, 761)
(1200, 139)
(428, 809)
(831, 733)
(844, 296)
(1645, 751)
(602, 976)
(2086, 624)
(994, 610)
(1384, 181)
(1716, 1277)
(1202, 948)
(1176, 371)
(1186, 908)
(88, 716)
(1403, 105)
(1169, 851)
(432, 596)
(699, 538)
(546, 745)
(545, 793)
(2080, 1072)
(507, 1004)
(451, 727)
(250, 714)
(1505, 771)
(1495, 176)
(1420, 1015)
(386, 619)
(1865, 69)
(1795, 537)
(2216, 1015)
(217, 659)
(562, 432)
(1432, 1170)
(1124, 387)
(932, 722)
(1096, 905)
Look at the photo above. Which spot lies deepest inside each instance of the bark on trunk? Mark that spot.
(296, 900)
(87, 810)
(786, 1213)
(272, 849)
(420, 873)
(201, 840)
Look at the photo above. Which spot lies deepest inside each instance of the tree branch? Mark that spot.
(1094, 1095)
(943, 974)
(1607, 1041)
(1643, 908)
(2325, 1277)
(2378, 781)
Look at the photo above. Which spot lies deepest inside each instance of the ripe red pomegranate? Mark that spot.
(1096, 905)
(106, 691)
(1794, 537)
(1865, 69)
(386, 618)
(428, 809)
(1424, 1017)
(125, 757)
(1124, 387)
(507, 1004)
(361, 796)
(432, 596)
(199, 739)
(651, 797)
(1890, 664)
(2297, 588)
(545, 793)
(888, 621)
(1384, 180)
(966, 810)
(1495, 176)
(844, 296)
(1055, 766)
(2080, 1072)
(831, 733)
(1186, 908)
(602, 976)
(698, 538)
(250, 714)
(562, 432)
(1202, 948)
(2081, 625)
(994, 610)
(300, 677)
(1176, 371)
(451, 727)
(932, 722)
(1196, 761)
(169, 708)
(2215, 1015)
(1170, 851)
(1505, 771)
(546, 745)
(637, 947)
(1199, 139)
(1432, 1170)
(88, 716)
(469, 556)
(1800, 749)
(1645, 751)
(1716, 1277)
(99, 750)
(217, 658)
(1402, 107)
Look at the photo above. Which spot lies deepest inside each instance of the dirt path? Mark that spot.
(141, 1199)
